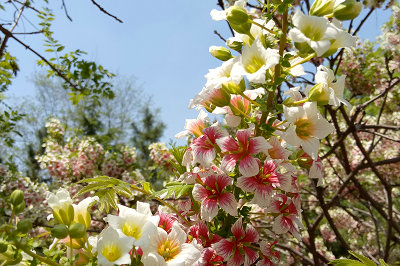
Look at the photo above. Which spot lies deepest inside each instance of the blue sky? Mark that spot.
(164, 44)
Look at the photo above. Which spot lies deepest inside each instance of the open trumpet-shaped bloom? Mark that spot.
(113, 248)
(203, 147)
(317, 32)
(242, 151)
(138, 224)
(170, 249)
(308, 127)
(211, 194)
(236, 247)
(287, 211)
(255, 61)
(262, 184)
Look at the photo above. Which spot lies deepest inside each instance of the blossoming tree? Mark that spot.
(290, 172)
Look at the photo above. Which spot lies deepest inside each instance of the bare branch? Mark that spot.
(105, 11)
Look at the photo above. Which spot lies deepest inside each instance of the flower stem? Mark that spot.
(239, 111)
(302, 61)
(263, 27)
(250, 100)
(34, 255)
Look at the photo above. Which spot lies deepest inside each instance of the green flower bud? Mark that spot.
(347, 10)
(77, 230)
(3, 246)
(64, 216)
(322, 8)
(24, 226)
(318, 94)
(220, 98)
(235, 44)
(237, 15)
(59, 231)
(233, 88)
(242, 28)
(220, 53)
(19, 208)
(17, 196)
(305, 161)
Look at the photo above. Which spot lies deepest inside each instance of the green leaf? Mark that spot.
(363, 259)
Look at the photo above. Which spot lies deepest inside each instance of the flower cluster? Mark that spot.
(79, 158)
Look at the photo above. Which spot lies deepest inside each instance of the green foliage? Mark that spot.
(107, 189)
(178, 189)
(362, 261)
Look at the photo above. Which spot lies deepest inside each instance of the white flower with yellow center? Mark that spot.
(315, 31)
(308, 127)
(113, 248)
(334, 90)
(255, 61)
(137, 224)
(170, 249)
(215, 77)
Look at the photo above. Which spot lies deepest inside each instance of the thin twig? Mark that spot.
(219, 35)
(105, 11)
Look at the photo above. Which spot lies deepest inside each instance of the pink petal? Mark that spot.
(269, 167)
(224, 248)
(229, 162)
(248, 166)
(203, 156)
(223, 181)
(237, 259)
(251, 234)
(209, 209)
(247, 183)
(250, 256)
(199, 192)
(243, 136)
(282, 224)
(228, 203)
(258, 144)
(227, 144)
(213, 133)
(237, 229)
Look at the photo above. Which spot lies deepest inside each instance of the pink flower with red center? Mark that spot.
(203, 147)
(212, 195)
(210, 258)
(238, 245)
(287, 214)
(263, 184)
(201, 233)
(270, 257)
(242, 151)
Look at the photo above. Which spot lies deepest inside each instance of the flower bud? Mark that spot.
(220, 53)
(322, 8)
(235, 43)
(305, 161)
(77, 230)
(242, 28)
(347, 10)
(24, 226)
(3, 246)
(220, 98)
(233, 88)
(64, 216)
(17, 196)
(318, 94)
(19, 208)
(237, 15)
(59, 231)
